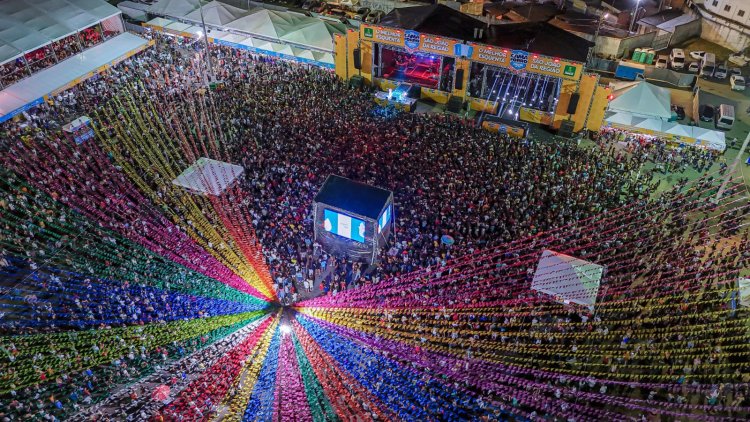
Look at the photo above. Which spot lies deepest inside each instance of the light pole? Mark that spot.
(635, 13)
(204, 35)
(596, 37)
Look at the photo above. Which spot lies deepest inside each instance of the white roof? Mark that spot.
(159, 22)
(207, 176)
(174, 8)
(644, 100)
(216, 13)
(26, 25)
(313, 34)
(677, 129)
(568, 279)
(133, 10)
(713, 139)
(743, 290)
(33, 88)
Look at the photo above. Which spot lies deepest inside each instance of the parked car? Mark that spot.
(739, 59)
(721, 71)
(679, 111)
(335, 11)
(737, 82)
(661, 62)
(375, 17)
(707, 112)
(677, 59)
(362, 13)
(694, 67)
(697, 55)
(735, 71)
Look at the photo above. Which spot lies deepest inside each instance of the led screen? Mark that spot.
(384, 218)
(344, 225)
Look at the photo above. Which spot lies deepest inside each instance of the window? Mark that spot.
(727, 7)
(715, 3)
(740, 13)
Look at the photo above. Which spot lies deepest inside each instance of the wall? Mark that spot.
(628, 45)
(736, 7)
(686, 31)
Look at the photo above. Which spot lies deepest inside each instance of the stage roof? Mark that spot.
(26, 25)
(536, 37)
(32, 89)
(356, 197)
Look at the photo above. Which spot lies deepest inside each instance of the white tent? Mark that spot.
(159, 22)
(677, 129)
(313, 33)
(303, 53)
(30, 91)
(713, 139)
(261, 22)
(216, 13)
(174, 8)
(208, 177)
(133, 10)
(644, 100)
(568, 279)
(654, 125)
(623, 119)
(283, 49)
(326, 58)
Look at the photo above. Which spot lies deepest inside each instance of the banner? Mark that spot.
(414, 41)
(523, 61)
(383, 35)
(535, 116)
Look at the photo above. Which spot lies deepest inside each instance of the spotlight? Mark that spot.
(285, 329)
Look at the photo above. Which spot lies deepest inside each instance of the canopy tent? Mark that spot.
(644, 100)
(303, 53)
(677, 129)
(270, 25)
(159, 23)
(568, 279)
(174, 8)
(30, 91)
(216, 13)
(713, 139)
(133, 10)
(283, 49)
(26, 25)
(262, 22)
(326, 58)
(619, 119)
(208, 177)
(648, 125)
(313, 33)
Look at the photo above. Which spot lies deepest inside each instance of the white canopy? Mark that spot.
(645, 100)
(709, 138)
(208, 177)
(26, 25)
(30, 91)
(743, 290)
(134, 10)
(174, 8)
(648, 124)
(677, 129)
(216, 13)
(568, 279)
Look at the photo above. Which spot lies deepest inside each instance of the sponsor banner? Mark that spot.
(504, 129)
(439, 45)
(384, 35)
(535, 116)
(523, 61)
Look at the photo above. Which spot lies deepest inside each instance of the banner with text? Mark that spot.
(523, 61)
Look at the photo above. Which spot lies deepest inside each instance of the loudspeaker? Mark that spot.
(573, 104)
(454, 104)
(459, 79)
(415, 91)
(566, 129)
(357, 58)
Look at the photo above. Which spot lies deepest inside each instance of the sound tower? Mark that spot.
(573, 104)
(566, 129)
(459, 79)
(357, 58)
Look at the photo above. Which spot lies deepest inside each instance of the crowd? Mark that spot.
(668, 157)
(421, 335)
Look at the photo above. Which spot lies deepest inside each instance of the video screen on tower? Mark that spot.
(344, 225)
(384, 219)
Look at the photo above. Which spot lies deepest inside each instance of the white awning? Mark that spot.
(31, 90)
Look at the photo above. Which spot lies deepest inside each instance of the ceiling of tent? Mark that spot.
(174, 8)
(29, 24)
(216, 13)
(644, 99)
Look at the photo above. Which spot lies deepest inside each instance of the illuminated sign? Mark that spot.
(411, 40)
(518, 60)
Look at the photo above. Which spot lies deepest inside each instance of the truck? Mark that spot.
(630, 70)
(708, 65)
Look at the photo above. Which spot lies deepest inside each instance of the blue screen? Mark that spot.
(344, 225)
(384, 218)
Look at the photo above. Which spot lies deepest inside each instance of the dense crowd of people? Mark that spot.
(460, 305)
